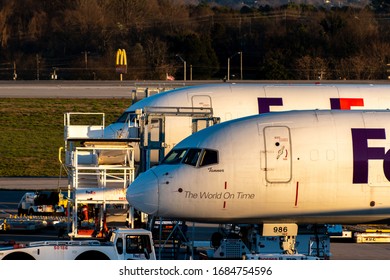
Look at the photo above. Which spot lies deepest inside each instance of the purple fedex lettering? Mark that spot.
(264, 103)
(362, 153)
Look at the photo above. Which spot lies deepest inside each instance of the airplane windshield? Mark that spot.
(192, 157)
(126, 116)
(208, 157)
(174, 156)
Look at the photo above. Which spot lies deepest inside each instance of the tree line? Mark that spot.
(78, 39)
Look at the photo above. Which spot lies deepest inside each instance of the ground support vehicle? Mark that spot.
(22, 224)
(123, 244)
(99, 171)
(369, 233)
(362, 233)
(31, 223)
(309, 247)
(41, 204)
(248, 242)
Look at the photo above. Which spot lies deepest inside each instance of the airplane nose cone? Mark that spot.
(143, 193)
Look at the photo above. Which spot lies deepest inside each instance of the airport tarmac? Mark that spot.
(354, 251)
(33, 183)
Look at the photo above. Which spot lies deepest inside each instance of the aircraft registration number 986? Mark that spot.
(280, 230)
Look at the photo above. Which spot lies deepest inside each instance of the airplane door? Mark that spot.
(152, 141)
(156, 133)
(277, 154)
(203, 101)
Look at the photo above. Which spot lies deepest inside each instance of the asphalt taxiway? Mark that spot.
(361, 251)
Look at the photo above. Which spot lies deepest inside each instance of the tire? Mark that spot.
(20, 211)
(92, 255)
(18, 256)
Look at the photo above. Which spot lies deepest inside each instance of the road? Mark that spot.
(83, 89)
(65, 89)
(115, 89)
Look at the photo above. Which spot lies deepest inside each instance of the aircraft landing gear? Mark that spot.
(287, 245)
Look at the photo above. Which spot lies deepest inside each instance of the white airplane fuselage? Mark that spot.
(232, 101)
(315, 166)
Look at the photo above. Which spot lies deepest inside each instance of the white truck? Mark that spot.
(124, 244)
(41, 204)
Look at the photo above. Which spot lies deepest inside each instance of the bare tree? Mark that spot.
(310, 68)
(88, 15)
(156, 55)
(22, 21)
(303, 66)
(137, 61)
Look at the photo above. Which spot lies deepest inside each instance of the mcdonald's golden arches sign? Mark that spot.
(121, 61)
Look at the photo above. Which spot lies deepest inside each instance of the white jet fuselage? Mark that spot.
(232, 101)
(298, 166)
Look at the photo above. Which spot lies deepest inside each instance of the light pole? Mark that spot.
(228, 68)
(185, 66)
(86, 58)
(38, 61)
(15, 76)
(240, 53)
(228, 73)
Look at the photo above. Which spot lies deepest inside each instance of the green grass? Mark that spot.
(32, 131)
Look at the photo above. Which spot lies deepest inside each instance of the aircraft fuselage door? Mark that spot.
(277, 154)
(202, 101)
(156, 135)
(153, 139)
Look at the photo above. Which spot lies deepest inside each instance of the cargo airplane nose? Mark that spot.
(142, 194)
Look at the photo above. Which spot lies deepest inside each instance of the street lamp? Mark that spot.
(185, 66)
(85, 58)
(228, 68)
(242, 77)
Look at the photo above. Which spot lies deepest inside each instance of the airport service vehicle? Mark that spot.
(124, 244)
(41, 204)
(277, 169)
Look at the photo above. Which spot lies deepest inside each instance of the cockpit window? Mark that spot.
(126, 117)
(192, 156)
(174, 156)
(208, 157)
